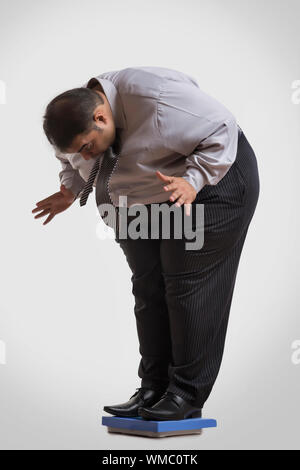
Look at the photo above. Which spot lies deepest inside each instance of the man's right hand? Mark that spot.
(54, 204)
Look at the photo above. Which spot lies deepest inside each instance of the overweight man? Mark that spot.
(176, 145)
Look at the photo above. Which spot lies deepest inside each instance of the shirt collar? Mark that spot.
(113, 98)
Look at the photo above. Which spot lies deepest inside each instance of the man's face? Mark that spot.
(96, 141)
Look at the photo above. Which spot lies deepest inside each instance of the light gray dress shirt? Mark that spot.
(166, 123)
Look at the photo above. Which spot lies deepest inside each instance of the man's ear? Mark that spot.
(99, 116)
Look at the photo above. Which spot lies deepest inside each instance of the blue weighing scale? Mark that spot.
(144, 427)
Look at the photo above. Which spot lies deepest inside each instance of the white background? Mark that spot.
(66, 304)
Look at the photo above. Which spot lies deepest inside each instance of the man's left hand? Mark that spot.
(182, 190)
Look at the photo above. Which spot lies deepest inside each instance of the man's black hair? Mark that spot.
(70, 114)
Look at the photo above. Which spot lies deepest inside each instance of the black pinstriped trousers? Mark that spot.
(183, 297)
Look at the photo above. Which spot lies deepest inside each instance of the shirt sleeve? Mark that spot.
(196, 125)
(69, 176)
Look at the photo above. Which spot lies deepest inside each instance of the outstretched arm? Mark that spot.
(71, 186)
(69, 176)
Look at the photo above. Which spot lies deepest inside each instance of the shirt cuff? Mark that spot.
(76, 187)
(195, 178)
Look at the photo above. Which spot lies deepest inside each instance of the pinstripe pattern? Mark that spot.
(108, 166)
(89, 185)
(109, 161)
(183, 297)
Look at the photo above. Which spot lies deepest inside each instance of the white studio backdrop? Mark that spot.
(68, 341)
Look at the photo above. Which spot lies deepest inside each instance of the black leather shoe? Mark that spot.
(170, 407)
(143, 396)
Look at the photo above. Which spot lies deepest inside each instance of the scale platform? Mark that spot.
(143, 427)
